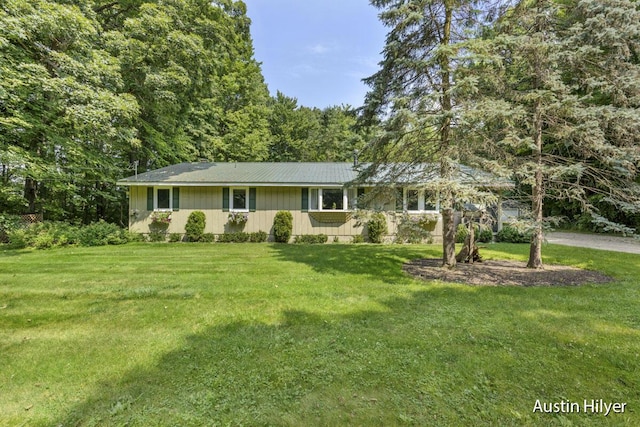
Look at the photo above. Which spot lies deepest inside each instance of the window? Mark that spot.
(332, 199)
(414, 200)
(239, 198)
(327, 199)
(163, 198)
(431, 202)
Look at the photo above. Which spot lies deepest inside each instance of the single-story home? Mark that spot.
(321, 197)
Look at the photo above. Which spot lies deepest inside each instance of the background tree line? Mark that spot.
(91, 89)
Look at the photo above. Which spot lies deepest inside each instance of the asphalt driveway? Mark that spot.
(596, 241)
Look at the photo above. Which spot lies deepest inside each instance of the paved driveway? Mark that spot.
(596, 241)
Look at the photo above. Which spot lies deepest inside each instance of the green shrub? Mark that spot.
(485, 235)
(175, 237)
(242, 237)
(311, 238)
(48, 234)
(208, 238)
(194, 229)
(282, 226)
(157, 236)
(258, 236)
(43, 241)
(43, 235)
(411, 230)
(135, 237)
(235, 237)
(461, 233)
(8, 224)
(17, 239)
(101, 233)
(377, 227)
(359, 238)
(482, 234)
(510, 234)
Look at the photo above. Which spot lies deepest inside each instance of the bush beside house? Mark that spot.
(194, 229)
(377, 227)
(282, 226)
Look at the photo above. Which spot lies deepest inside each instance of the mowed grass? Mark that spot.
(262, 334)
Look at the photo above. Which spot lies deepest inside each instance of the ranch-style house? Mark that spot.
(321, 197)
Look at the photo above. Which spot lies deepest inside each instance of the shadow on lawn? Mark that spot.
(369, 368)
(382, 262)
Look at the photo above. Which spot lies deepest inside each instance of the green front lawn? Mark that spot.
(261, 334)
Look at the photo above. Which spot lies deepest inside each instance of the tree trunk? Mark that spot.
(446, 173)
(537, 195)
(30, 194)
(472, 241)
(448, 239)
(535, 250)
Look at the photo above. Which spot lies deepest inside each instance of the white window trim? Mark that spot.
(345, 200)
(155, 199)
(421, 202)
(246, 199)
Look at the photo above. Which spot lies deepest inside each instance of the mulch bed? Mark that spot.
(501, 272)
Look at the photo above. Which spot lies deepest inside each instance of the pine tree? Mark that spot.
(558, 105)
(414, 94)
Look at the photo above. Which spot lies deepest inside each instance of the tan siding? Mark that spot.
(269, 200)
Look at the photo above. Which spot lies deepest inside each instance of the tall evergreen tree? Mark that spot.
(415, 95)
(559, 104)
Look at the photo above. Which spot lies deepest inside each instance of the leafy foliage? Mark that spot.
(101, 233)
(8, 223)
(235, 237)
(511, 234)
(194, 229)
(411, 229)
(358, 238)
(282, 226)
(482, 234)
(242, 237)
(311, 238)
(50, 234)
(377, 227)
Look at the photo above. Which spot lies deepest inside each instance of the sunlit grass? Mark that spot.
(259, 334)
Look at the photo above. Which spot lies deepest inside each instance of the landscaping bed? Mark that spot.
(503, 273)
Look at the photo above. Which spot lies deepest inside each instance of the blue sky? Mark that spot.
(317, 51)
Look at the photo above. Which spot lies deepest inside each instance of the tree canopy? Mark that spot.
(92, 90)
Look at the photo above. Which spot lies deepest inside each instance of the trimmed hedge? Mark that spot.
(242, 237)
(311, 238)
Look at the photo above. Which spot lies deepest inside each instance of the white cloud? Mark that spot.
(302, 70)
(319, 49)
